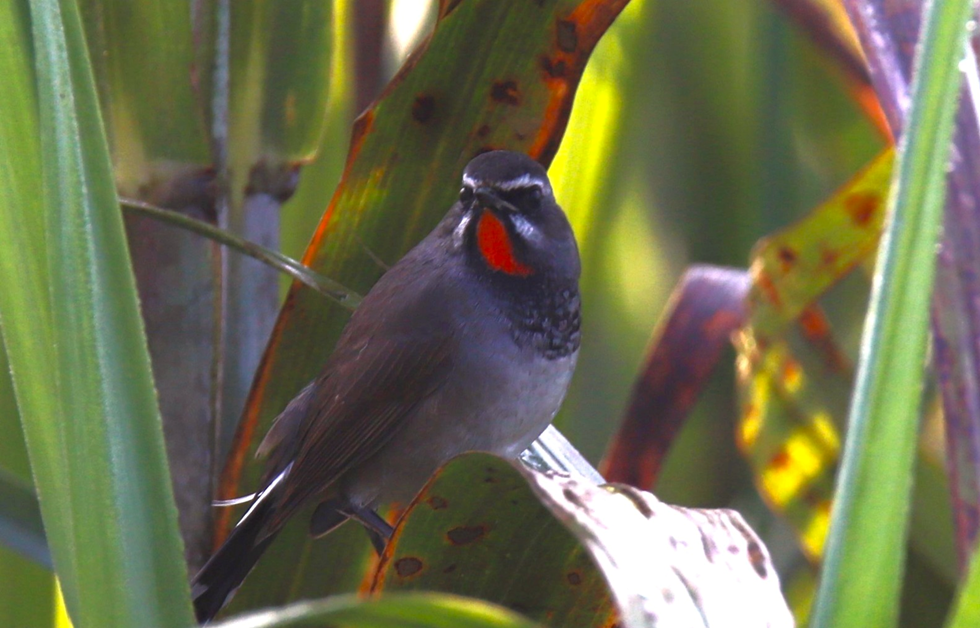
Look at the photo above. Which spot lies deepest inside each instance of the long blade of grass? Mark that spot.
(966, 612)
(77, 350)
(866, 548)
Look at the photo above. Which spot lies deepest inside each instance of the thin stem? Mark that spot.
(297, 270)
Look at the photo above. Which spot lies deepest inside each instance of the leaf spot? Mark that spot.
(567, 37)
(758, 560)
(464, 535)
(437, 503)
(574, 578)
(423, 108)
(861, 208)
(505, 92)
(553, 69)
(408, 566)
(787, 257)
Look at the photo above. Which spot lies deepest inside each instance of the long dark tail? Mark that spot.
(224, 572)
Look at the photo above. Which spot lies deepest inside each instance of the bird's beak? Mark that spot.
(489, 200)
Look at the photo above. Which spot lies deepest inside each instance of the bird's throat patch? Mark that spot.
(495, 246)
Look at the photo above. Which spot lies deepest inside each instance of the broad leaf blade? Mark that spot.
(477, 530)
(78, 354)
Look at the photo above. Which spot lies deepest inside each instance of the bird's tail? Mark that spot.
(216, 582)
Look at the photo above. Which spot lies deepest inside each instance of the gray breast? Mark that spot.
(499, 397)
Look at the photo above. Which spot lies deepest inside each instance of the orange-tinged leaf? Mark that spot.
(793, 267)
(787, 429)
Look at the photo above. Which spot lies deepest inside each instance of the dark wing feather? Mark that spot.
(373, 382)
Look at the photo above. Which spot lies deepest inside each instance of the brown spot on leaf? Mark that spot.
(408, 566)
(572, 498)
(437, 503)
(828, 256)
(574, 578)
(567, 37)
(483, 131)
(464, 535)
(505, 92)
(780, 461)
(423, 108)
(769, 291)
(553, 69)
(450, 568)
(710, 549)
(758, 559)
(787, 257)
(861, 208)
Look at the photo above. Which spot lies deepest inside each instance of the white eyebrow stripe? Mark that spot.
(524, 181)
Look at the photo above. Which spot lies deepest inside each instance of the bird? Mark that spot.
(467, 343)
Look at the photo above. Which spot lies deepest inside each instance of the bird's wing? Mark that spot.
(372, 385)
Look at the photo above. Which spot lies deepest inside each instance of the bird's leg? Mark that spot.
(378, 530)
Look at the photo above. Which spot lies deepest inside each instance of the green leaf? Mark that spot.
(75, 341)
(865, 552)
(280, 72)
(477, 530)
(145, 74)
(27, 592)
(966, 612)
(391, 611)
(27, 586)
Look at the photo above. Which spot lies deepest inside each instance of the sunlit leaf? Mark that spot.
(791, 268)
(788, 428)
(668, 565)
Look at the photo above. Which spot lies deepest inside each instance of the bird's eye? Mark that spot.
(532, 197)
(466, 194)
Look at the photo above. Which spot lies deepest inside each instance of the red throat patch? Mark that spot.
(496, 247)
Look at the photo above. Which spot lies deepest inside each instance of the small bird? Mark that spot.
(467, 343)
